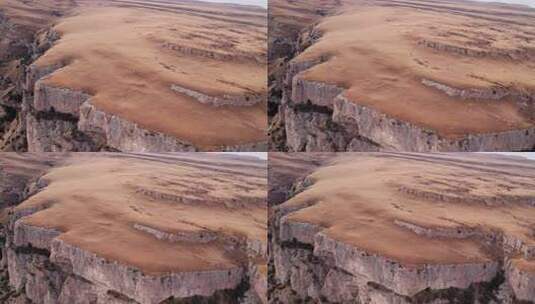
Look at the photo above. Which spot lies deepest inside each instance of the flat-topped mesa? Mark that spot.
(441, 88)
(64, 119)
(179, 67)
(406, 248)
(90, 234)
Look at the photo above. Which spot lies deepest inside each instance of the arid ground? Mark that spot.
(134, 228)
(405, 228)
(140, 75)
(411, 75)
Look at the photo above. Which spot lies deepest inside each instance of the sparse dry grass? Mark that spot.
(362, 199)
(96, 201)
(129, 55)
(377, 52)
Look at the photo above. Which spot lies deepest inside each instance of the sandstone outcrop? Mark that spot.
(416, 87)
(404, 228)
(84, 230)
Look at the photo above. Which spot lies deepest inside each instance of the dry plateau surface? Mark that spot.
(133, 228)
(404, 228)
(133, 75)
(408, 75)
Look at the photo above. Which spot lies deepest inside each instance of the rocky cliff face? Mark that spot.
(41, 266)
(15, 53)
(19, 179)
(302, 111)
(61, 119)
(52, 114)
(48, 270)
(323, 253)
(316, 98)
(318, 117)
(289, 27)
(22, 121)
(42, 116)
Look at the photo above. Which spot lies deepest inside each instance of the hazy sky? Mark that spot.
(262, 3)
(525, 2)
(264, 155)
(530, 155)
(261, 155)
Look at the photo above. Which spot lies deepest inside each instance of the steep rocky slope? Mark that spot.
(406, 228)
(286, 172)
(412, 76)
(23, 38)
(287, 21)
(120, 228)
(147, 76)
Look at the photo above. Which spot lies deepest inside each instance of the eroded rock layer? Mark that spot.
(118, 228)
(142, 76)
(23, 38)
(287, 21)
(405, 228)
(410, 76)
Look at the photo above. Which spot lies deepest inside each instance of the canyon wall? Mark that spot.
(315, 258)
(322, 101)
(45, 110)
(39, 266)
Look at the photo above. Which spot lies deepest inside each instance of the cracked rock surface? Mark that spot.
(405, 228)
(407, 76)
(127, 228)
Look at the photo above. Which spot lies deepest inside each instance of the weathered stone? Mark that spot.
(324, 251)
(521, 281)
(309, 131)
(46, 269)
(47, 134)
(301, 75)
(400, 278)
(258, 281)
(62, 100)
(138, 286)
(394, 134)
(31, 236)
(226, 100)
